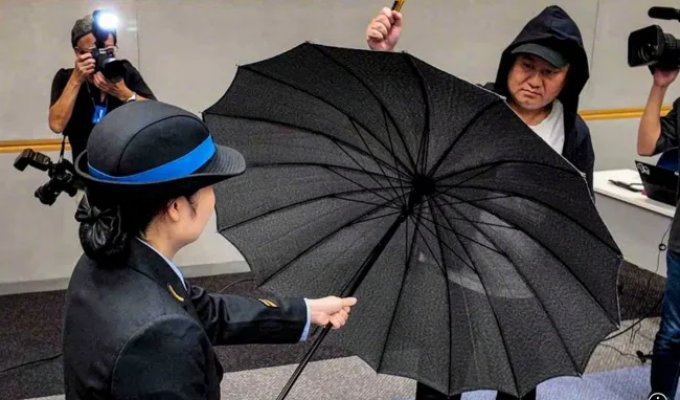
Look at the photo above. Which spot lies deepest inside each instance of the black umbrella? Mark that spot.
(476, 252)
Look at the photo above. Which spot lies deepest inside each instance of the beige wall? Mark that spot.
(188, 52)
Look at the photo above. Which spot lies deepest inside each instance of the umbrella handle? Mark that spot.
(303, 363)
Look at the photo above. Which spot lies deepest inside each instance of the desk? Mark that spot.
(637, 223)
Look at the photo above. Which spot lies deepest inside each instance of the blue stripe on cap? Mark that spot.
(175, 169)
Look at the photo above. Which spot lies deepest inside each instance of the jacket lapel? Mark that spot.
(150, 264)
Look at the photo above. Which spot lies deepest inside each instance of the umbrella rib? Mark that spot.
(425, 137)
(321, 241)
(443, 270)
(309, 94)
(499, 163)
(378, 217)
(544, 204)
(399, 209)
(471, 329)
(450, 248)
(389, 139)
(531, 288)
(325, 166)
(296, 204)
(450, 229)
(484, 171)
(407, 265)
(471, 203)
(358, 132)
(475, 201)
(375, 96)
(462, 133)
(365, 171)
(363, 187)
(448, 290)
(493, 312)
(581, 284)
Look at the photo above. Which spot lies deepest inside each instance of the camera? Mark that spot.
(653, 47)
(62, 175)
(104, 24)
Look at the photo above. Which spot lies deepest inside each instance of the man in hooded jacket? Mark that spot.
(541, 74)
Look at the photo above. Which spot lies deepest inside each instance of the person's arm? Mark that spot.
(383, 31)
(165, 360)
(124, 89)
(119, 89)
(229, 319)
(137, 84)
(654, 133)
(64, 100)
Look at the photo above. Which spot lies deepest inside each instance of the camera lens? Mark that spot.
(46, 194)
(648, 52)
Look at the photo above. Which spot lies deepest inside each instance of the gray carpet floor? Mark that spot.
(350, 378)
(32, 325)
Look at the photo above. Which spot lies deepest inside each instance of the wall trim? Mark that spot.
(15, 146)
(616, 113)
(189, 271)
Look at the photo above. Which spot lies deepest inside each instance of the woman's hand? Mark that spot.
(330, 310)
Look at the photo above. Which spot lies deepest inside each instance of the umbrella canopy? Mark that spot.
(476, 252)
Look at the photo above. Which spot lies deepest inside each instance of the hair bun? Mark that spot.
(101, 232)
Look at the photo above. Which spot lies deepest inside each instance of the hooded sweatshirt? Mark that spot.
(553, 27)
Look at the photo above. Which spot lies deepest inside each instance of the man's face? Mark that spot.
(534, 83)
(86, 44)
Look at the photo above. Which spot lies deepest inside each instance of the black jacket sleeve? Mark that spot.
(668, 139)
(135, 82)
(58, 84)
(165, 360)
(229, 319)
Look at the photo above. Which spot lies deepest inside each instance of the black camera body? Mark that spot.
(105, 59)
(651, 46)
(62, 175)
(106, 62)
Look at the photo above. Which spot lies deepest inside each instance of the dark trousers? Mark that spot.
(666, 356)
(424, 392)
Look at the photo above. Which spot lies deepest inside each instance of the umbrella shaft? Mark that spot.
(359, 276)
(348, 290)
(308, 356)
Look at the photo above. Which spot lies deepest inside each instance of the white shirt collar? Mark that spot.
(169, 262)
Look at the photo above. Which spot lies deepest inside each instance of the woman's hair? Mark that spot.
(106, 228)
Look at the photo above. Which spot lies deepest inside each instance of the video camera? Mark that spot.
(103, 24)
(651, 46)
(62, 175)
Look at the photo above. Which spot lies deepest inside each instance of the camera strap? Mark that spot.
(100, 110)
(63, 146)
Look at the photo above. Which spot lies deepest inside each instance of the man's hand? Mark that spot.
(84, 67)
(664, 77)
(330, 310)
(383, 31)
(115, 89)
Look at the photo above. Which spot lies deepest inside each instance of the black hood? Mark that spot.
(552, 27)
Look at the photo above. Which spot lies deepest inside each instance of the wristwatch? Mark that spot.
(132, 98)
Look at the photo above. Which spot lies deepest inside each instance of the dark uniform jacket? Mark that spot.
(132, 331)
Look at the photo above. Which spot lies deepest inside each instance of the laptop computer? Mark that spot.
(660, 184)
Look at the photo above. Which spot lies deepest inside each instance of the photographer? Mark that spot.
(657, 135)
(81, 96)
(541, 74)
